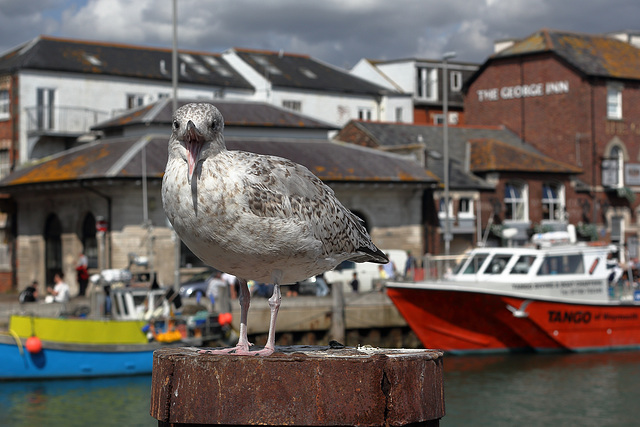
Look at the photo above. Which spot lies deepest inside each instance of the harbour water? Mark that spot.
(591, 389)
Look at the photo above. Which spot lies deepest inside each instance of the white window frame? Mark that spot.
(516, 201)
(614, 101)
(5, 162)
(617, 154)
(364, 113)
(135, 100)
(469, 211)
(427, 83)
(399, 115)
(5, 104)
(554, 198)
(441, 212)
(45, 111)
(292, 104)
(456, 81)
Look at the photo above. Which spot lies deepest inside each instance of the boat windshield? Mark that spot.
(562, 264)
(473, 266)
(498, 263)
(523, 264)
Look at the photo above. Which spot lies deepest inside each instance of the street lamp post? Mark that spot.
(445, 137)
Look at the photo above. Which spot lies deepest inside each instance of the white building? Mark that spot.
(314, 88)
(53, 90)
(422, 80)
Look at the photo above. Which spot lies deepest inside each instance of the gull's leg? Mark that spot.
(274, 305)
(243, 342)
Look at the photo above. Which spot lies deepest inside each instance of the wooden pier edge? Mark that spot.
(298, 385)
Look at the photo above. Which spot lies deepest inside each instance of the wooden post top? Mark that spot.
(298, 385)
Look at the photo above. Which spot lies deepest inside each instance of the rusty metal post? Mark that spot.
(298, 385)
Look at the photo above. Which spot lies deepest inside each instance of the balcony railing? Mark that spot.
(45, 120)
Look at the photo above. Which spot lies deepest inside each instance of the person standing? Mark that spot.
(410, 267)
(355, 283)
(82, 269)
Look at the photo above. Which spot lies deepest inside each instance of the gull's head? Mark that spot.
(197, 133)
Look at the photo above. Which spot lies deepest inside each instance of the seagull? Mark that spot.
(258, 217)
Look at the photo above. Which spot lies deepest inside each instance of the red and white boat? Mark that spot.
(509, 299)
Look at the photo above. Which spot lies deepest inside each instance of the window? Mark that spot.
(441, 210)
(614, 102)
(515, 201)
(456, 81)
(613, 168)
(552, 202)
(292, 105)
(364, 113)
(465, 207)
(497, 264)
(561, 264)
(398, 114)
(4, 104)
(45, 100)
(427, 83)
(475, 264)
(5, 163)
(523, 264)
(135, 100)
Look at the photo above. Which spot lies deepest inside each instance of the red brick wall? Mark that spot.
(571, 127)
(6, 282)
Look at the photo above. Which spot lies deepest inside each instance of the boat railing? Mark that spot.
(624, 291)
(437, 267)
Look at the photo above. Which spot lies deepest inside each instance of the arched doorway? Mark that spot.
(89, 241)
(53, 247)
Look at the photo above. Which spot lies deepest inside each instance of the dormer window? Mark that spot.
(427, 83)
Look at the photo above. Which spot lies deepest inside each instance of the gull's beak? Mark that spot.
(194, 141)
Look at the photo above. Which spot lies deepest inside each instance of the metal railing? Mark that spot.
(62, 120)
(437, 266)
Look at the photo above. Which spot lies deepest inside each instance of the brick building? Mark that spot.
(576, 98)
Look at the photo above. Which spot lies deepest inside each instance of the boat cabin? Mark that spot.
(569, 271)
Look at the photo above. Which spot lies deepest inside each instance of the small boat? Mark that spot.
(549, 297)
(141, 321)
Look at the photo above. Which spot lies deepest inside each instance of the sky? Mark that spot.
(339, 32)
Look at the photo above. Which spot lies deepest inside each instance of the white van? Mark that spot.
(368, 273)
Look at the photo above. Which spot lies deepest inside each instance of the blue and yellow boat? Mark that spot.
(67, 347)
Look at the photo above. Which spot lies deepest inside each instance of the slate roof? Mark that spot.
(590, 54)
(491, 155)
(89, 57)
(235, 113)
(397, 136)
(121, 159)
(287, 70)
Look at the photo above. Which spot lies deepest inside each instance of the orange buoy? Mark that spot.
(33, 345)
(225, 318)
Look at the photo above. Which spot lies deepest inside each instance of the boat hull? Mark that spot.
(466, 321)
(68, 360)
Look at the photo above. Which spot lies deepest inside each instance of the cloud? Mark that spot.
(336, 31)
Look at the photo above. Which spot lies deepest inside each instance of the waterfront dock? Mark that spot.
(369, 319)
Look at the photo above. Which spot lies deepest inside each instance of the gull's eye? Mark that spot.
(176, 124)
(214, 124)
